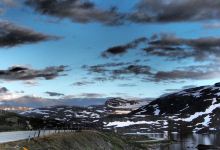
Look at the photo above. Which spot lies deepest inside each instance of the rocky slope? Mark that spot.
(63, 112)
(10, 121)
(122, 106)
(185, 102)
(38, 102)
(88, 140)
(197, 109)
(85, 116)
(190, 110)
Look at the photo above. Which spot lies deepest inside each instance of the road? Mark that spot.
(22, 135)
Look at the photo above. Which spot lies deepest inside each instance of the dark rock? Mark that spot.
(117, 102)
(207, 147)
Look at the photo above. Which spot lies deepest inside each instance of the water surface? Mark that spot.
(190, 141)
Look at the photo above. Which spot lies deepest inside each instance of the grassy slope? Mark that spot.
(85, 140)
(11, 121)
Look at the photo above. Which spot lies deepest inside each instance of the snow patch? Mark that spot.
(157, 112)
(129, 123)
(197, 114)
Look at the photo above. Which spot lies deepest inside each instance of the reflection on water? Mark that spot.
(183, 141)
(190, 141)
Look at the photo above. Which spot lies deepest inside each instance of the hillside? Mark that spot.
(10, 121)
(85, 115)
(122, 106)
(85, 140)
(190, 110)
(38, 102)
(197, 109)
(188, 101)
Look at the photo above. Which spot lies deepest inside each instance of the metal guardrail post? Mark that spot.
(38, 134)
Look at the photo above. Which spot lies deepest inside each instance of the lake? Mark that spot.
(190, 141)
(184, 141)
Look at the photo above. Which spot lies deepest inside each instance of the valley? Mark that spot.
(187, 112)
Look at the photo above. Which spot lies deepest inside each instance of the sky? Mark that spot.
(93, 48)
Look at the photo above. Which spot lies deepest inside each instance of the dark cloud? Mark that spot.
(146, 73)
(117, 71)
(102, 68)
(127, 69)
(133, 69)
(82, 83)
(170, 47)
(25, 73)
(121, 49)
(110, 78)
(82, 11)
(54, 94)
(186, 74)
(127, 85)
(91, 95)
(145, 11)
(12, 35)
(174, 48)
(175, 11)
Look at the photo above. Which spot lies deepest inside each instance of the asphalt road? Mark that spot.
(22, 135)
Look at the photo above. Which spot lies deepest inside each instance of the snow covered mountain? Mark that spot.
(66, 113)
(190, 110)
(188, 101)
(89, 114)
(39, 102)
(14, 108)
(122, 106)
(196, 109)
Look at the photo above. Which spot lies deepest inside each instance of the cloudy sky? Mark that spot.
(95, 48)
